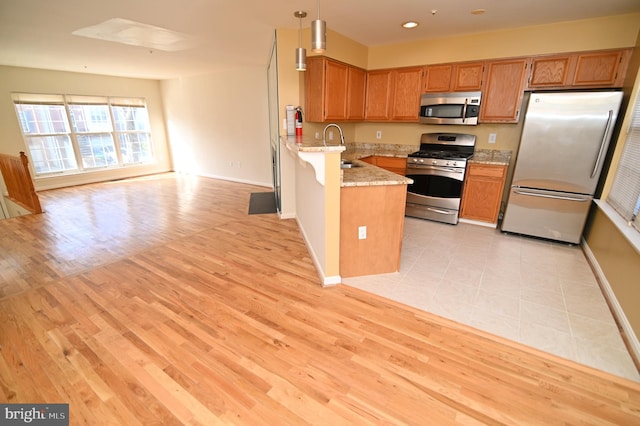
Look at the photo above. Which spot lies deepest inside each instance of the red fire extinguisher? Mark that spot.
(298, 121)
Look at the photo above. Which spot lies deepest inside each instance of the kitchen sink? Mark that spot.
(346, 164)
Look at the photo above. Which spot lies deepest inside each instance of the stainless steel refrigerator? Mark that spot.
(564, 142)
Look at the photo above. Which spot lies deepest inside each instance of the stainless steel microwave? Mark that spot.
(450, 108)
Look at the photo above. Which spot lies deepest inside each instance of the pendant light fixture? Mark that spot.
(301, 52)
(318, 33)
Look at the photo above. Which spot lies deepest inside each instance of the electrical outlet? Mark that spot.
(379, 134)
(330, 135)
(362, 232)
(492, 138)
(317, 135)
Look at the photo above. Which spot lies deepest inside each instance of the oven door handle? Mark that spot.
(431, 209)
(438, 168)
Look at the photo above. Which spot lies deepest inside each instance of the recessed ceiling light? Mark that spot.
(478, 11)
(410, 24)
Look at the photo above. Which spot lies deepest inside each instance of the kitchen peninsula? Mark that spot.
(351, 219)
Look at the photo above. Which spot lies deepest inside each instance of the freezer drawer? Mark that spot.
(546, 214)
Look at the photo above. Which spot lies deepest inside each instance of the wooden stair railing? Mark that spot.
(17, 178)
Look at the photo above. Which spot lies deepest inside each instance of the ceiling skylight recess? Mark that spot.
(133, 33)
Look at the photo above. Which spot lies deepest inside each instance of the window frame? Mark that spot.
(144, 155)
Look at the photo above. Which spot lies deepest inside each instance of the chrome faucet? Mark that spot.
(324, 134)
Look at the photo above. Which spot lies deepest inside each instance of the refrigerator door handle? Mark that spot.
(519, 190)
(603, 143)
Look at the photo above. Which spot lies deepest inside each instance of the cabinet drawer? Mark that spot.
(393, 162)
(487, 170)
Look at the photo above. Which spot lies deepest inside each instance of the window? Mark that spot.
(73, 134)
(624, 196)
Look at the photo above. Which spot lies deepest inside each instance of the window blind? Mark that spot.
(625, 192)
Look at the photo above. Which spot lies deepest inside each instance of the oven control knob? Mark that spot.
(420, 160)
(435, 162)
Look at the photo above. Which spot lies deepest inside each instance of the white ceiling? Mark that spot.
(227, 33)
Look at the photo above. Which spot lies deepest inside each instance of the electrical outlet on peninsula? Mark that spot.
(362, 232)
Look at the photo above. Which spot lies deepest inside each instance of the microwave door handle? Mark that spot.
(464, 110)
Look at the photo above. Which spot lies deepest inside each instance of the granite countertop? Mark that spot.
(365, 174)
(369, 175)
(491, 156)
(309, 144)
(361, 150)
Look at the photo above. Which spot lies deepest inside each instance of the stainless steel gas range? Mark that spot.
(438, 171)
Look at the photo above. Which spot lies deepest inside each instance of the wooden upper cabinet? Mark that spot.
(379, 95)
(437, 78)
(550, 71)
(606, 68)
(406, 93)
(599, 69)
(394, 94)
(334, 91)
(314, 89)
(356, 89)
(503, 90)
(467, 77)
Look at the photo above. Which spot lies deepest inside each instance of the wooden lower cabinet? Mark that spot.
(396, 165)
(380, 208)
(482, 194)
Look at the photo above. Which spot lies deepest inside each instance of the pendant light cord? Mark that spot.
(300, 32)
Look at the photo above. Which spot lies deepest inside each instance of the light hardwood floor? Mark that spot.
(160, 301)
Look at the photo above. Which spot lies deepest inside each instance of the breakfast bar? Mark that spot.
(351, 218)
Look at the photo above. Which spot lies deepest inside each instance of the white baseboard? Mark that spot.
(634, 343)
(324, 280)
(478, 222)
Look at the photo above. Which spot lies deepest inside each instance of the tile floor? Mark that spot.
(536, 292)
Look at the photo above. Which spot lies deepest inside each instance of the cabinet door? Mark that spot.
(599, 68)
(335, 93)
(437, 78)
(483, 192)
(503, 91)
(371, 159)
(393, 164)
(406, 94)
(379, 92)
(550, 71)
(314, 89)
(356, 85)
(467, 77)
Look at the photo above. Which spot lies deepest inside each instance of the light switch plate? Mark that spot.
(492, 138)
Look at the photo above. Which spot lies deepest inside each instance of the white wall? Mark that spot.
(218, 125)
